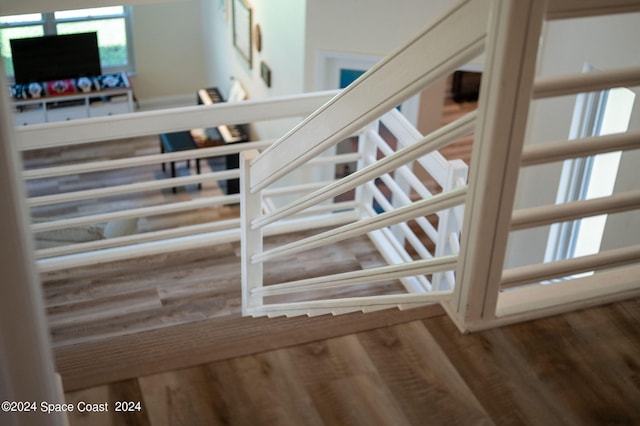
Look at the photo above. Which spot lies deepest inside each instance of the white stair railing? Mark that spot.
(426, 59)
(479, 294)
(400, 265)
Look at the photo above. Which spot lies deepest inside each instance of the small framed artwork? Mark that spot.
(257, 35)
(241, 22)
(265, 72)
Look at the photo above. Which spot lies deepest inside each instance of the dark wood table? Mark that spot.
(178, 141)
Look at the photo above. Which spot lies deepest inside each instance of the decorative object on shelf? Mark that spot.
(258, 38)
(265, 72)
(84, 84)
(69, 86)
(73, 98)
(110, 81)
(242, 29)
(60, 87)
(35, 90)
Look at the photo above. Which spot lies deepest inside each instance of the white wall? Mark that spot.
(282, 28)
(603, 42)
(38, 6)
(169, 53)
(217, 44)
(369, 27)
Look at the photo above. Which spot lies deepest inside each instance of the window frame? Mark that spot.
(591, 118)
(49, 24)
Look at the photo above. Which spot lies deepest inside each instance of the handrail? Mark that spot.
(561, 268)
(122, 163)
(422, 61)
(397, 255)
(345, 279)
(136, 212)
(569, 84)
(562, 150)
(130, 188)
(546, 215)
(147, 237)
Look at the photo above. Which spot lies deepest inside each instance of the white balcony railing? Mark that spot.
(73, 133)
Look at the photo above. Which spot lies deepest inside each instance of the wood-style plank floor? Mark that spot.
(580, 368)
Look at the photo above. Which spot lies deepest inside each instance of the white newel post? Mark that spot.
(512, 45)
(251, 239)
(26, 360)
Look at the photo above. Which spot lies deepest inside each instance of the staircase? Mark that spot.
(289, 185)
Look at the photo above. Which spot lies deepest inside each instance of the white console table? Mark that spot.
(69, 107)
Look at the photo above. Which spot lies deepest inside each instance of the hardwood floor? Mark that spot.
(95, 303)
(575, 369)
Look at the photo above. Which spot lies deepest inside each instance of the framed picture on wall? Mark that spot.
(242, 29)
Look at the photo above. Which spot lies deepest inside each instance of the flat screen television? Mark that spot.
(465, 86)
(55, 57)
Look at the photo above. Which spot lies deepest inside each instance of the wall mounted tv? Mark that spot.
(55, 57)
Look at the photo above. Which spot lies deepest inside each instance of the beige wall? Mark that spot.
(369, 27)
(282, 28)
(603, 42)
(9, 7)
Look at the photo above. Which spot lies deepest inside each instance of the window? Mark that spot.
(113, 25)
(595, 114)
